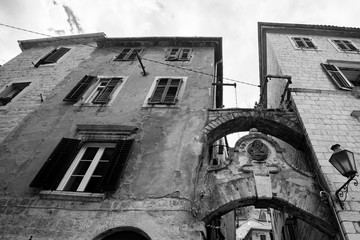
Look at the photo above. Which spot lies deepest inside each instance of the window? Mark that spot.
(345, 77)
(90, 167)
(102, 90)
(262, 237)
(52, 57)
(178, 54)
(128, 54)
(10, 92)
(166, 91)
(304, 43)
(344, 45)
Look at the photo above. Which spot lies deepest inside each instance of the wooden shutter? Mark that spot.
(104, 96)
(116, 165)
(350, 46)
(159, 91)
(299, 42)
(172, 91)
(309, 43)
(55, 167)
(336, 75)
(185, 54)
(132, 55)
(55, 55)
(173, 54)
(79, 89)
(122, 55)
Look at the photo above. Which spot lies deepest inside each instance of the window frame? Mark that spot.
(89, 173)
(348, 50)
(44, 62)
(179, 94)
(128, 56)
(306, 46)
(178, 54)
(88, 90)
(5, 91)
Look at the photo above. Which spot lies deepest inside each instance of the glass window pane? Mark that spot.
(101, 168)
(81, 168)
(107, 155)
(73, 183)
(90, 153)
(93, 183)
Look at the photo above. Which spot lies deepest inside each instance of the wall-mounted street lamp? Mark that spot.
(344, 162)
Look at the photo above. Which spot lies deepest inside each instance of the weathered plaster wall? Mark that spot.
(158, 180)
(325, 112)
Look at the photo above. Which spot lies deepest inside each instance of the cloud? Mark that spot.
(72, 20)
(57, 31)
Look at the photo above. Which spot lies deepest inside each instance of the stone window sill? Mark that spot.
(73, 196)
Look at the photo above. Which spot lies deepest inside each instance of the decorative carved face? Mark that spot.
(258, 151)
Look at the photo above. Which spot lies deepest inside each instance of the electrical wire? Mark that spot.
(146, 59)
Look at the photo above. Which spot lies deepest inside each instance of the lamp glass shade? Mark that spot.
(344, 162)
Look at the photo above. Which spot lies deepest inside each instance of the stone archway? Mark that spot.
(264, 172)
(125, 232)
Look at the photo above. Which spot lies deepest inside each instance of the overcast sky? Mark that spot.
(233, 20)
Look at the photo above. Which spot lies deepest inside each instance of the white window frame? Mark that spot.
(89, 95)
(153, 86)
(293, 43)
(91, 169)
(331, 40)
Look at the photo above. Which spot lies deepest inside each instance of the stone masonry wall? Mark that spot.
(324, 111)
(43, 80)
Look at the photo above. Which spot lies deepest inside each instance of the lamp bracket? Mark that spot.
(341, 193)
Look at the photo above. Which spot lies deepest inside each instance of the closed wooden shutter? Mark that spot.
(185, 54)
(336, 75)
(173, 54)
(122, 56)
(54, 169)
(350, 45)
(172, 91)
(105, 94)
(159, 91)
(79, 89)
(299, 42)
(132, 55)
(116, 165)
(309, 43)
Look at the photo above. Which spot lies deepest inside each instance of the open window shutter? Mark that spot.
(309, 43)
(159, 91)
(340, 44)
(336, 76)
(79, 89)
(116, 165)
(55, 167)
(185, 54)
(123, 54)
(172, 91)
(105, 95)
(173, 54)
(299, 42)
(55, 55)
(132, 55)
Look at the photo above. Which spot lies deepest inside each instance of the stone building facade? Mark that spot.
(323, 63)
(96, 147)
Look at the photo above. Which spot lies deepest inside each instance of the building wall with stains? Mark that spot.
(156, 188)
